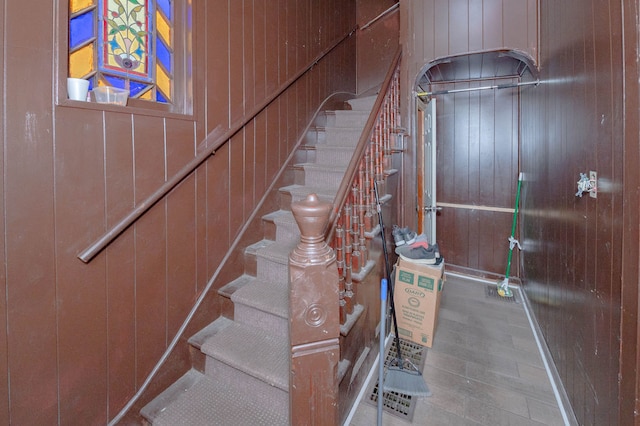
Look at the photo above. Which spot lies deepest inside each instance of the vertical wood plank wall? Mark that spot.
(4, 373)
(579, 261)
(450, 27)
(477, 166)
(30, 308)
(376, 43)
(629, 370)
(439, 28)
(81, 338)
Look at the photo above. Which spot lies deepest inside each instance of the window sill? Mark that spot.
(134, 106)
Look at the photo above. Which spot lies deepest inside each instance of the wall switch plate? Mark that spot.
(593, 179)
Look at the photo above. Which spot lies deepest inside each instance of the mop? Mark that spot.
(403, 377)
(503, 286)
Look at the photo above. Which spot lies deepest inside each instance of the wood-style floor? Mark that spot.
(484, 368)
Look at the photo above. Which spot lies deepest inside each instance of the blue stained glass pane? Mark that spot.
(160, 98)
(136, 87)
(81, 29)
(114, 81)
(163, 55)
(165, 6)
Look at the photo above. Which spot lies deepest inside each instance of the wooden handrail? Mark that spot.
(345, 185)
(212, 142)
(390, 10)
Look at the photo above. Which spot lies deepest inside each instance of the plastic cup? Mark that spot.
(77, 89)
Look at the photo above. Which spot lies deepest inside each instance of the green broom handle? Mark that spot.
(513, 225)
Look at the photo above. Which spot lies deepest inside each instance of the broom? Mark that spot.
(503, 286)
(404, 377)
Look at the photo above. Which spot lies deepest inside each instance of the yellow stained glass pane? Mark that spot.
(77, 5)
(164, 30)
(146, 95)
(163, 82)
(81, 62)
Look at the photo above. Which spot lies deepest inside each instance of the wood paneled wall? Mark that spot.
(439, 28)
(477, 136)
(81, 338)
(4, 373)
(580, 255)
(377, 42)
(451, 27)
(433, 29)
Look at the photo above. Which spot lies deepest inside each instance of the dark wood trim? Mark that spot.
(629, 384)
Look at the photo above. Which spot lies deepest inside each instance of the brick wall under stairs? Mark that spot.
(245, 376)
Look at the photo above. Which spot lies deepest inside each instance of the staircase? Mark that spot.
(246, 372)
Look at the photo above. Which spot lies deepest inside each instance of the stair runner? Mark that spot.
(246, 375)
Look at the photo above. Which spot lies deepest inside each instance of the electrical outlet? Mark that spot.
(593, 180)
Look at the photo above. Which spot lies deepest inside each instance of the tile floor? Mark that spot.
(484, 367)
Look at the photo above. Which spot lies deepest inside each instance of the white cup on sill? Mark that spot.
(77, 89)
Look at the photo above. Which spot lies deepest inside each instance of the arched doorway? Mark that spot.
(475, 154)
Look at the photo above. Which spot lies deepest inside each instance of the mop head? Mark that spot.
(503, 288)
(405, 379)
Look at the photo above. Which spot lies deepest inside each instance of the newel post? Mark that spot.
(314, 319)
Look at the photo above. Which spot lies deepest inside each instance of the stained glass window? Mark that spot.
(124, 43)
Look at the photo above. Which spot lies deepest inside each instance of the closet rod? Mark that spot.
(472, 89)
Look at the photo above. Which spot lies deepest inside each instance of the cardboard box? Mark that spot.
(417, 293)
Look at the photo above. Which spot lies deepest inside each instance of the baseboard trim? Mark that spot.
(554, 377)
(477, 273)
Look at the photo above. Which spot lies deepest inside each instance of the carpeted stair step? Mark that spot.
(228, 289)
(287, 230)
(334, 136)
(334, 155)
(294, 193)
(273, 261)
(246, 360)
(251, 256)
(341, 136)
(329, 176)
(263, 305)
(198, 339)
(304, 154)
(364, 103)
(315, 136)
(347, 118)
(199, 400)
(249, 357)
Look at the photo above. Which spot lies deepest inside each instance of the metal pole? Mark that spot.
(381, 356)
(473, 89)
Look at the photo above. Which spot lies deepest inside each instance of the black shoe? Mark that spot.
(421, 255)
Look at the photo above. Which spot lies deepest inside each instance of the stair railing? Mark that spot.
(333, 247)
(353, 217)
(211, 143)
